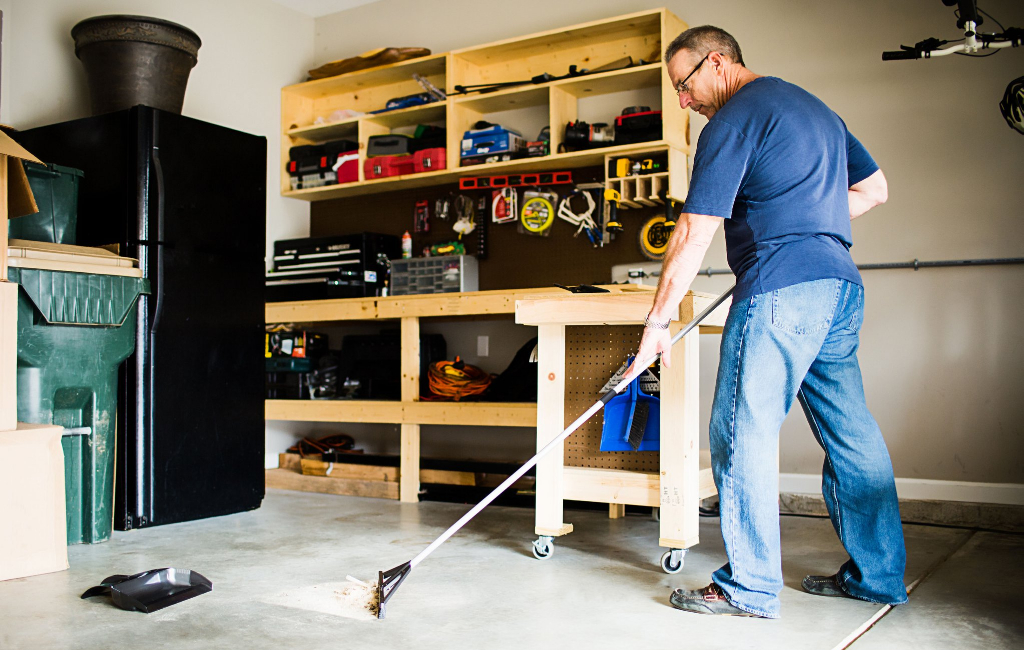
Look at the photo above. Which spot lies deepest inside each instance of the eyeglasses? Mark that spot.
(681, 86)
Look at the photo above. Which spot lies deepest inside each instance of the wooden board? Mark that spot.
(555, 161)
(504, 414)
(315, 467)
(72, 267)
(604, 309)
(311, 467)
(628, 488)
(284, 479)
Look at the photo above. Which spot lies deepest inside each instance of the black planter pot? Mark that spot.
(133, 60)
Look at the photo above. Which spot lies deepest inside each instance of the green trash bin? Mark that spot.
(55, 189)
(74, 330)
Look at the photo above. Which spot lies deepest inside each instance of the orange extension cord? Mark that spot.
(453, 380)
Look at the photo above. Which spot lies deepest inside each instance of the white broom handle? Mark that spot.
(597, 406)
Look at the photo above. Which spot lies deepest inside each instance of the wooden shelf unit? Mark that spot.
(411, 413)
(641, 36)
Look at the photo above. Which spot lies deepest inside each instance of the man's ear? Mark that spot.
(717, 61)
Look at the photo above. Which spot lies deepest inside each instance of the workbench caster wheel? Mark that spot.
(656, 514)
(543, 547)
(672, 560)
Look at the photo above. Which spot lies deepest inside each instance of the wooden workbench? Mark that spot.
(410, 413)
(583, 339)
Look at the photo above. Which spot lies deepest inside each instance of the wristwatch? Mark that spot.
(655, 324)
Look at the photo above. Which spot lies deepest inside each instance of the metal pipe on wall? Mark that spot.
(915, 264)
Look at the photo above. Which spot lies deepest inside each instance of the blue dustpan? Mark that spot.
(618, 418)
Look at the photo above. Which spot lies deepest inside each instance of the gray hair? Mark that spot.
(703, 40)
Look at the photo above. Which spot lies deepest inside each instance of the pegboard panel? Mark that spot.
(592, 355)
(514, 260)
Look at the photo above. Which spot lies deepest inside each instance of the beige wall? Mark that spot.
(943, 350)
(251, 48)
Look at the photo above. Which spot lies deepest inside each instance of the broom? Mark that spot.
(388, 581)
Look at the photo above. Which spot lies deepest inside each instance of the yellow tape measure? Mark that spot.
(654, 236)
(537, 215)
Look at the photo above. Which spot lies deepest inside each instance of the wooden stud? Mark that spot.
(563, 110)
(675, 120)
(410, 444)
(616, 510)
(8, 320)
(680, 449)
(550, 423)
(461, 118)
(367, 129)
(295, 111)
(410, 351)
(410, 463)
(679, 176)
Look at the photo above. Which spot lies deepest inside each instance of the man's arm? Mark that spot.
(868, 193)
(686, 248)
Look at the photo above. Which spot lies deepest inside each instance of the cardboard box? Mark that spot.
(16, 200)
(33, 533)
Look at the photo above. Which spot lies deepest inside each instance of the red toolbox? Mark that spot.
(348, 168)
(383, 166)
(430, 160)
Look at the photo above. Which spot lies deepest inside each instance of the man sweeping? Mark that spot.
(787, 177)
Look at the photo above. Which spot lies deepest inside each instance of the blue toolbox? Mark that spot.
(491, 139)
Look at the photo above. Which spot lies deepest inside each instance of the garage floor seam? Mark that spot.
(881, 613)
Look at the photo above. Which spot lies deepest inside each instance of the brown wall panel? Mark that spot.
(514, 260)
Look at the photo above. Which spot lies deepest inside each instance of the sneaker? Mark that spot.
(709, 600)
(825, 586)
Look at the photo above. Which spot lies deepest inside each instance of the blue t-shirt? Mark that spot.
(777, 163)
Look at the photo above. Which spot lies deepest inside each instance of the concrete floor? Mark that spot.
(602, 588)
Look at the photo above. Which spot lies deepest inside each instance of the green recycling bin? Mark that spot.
(55, 189)
(74, 330)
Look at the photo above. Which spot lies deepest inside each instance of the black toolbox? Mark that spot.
(392, 144)
(312, 165)
(642, 126)
(341, 266)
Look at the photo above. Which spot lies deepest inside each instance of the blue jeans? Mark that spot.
(801, 343)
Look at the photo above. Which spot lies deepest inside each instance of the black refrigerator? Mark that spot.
(188, 199)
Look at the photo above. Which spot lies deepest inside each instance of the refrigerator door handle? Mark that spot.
(157, 289)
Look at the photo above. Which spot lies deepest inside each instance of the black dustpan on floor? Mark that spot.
(150, 591)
